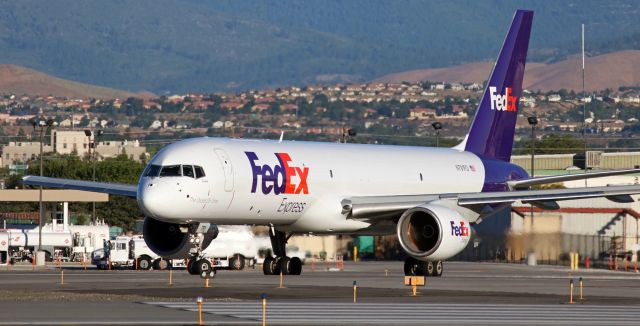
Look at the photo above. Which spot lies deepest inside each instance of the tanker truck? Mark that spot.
(73, 243)
(233, 248)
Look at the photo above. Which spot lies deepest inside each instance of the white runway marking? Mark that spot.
(409, 313)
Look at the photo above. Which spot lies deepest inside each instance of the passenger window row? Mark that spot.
(191, 171)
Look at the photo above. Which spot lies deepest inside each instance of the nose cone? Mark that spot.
(148, 200)
(157, 200)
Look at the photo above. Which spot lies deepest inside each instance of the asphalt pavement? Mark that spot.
(482, 293)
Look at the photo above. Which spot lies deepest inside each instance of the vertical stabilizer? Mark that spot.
(492, 130)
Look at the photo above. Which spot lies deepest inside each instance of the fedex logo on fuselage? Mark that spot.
(459, 231)
(500, 102)
(278, 179)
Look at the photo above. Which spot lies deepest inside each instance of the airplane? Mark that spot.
(429, 197)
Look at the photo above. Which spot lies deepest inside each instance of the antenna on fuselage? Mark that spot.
(281, 136)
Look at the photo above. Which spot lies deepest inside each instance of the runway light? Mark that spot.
(264, 309)
(571, 292)
(355, 290)
(199, 302)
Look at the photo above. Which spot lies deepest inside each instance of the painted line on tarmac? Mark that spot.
(284, 312)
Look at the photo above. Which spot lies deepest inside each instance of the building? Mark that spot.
(595, 227)
(16, 154)
(72, 141)
(132, 149)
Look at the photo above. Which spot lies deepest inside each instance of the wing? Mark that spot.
(523, 184)
(383, 207)
(103, 187)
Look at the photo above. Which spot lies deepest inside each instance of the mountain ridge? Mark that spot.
(21, 80)
(171, 46)
(610, 70)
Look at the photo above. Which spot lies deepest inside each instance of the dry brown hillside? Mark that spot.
(610, 70)
(20, 80)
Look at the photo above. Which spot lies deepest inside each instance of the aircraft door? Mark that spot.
(227, 167)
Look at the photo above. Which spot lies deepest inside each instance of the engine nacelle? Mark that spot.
(433, 232)
(171, 240)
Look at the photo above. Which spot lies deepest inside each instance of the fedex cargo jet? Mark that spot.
(429, 197)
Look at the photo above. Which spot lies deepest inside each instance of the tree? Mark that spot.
(118, 211)
(554, 144)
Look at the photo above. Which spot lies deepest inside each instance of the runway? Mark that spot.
(320, 313)
(482, 293)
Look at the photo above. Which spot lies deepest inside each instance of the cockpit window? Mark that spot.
(187, 171)
(199, 172)
(152, 171)
(170, 171)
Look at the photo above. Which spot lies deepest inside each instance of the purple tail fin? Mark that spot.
(492, 130)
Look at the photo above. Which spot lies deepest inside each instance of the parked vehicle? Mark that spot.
(70, 243)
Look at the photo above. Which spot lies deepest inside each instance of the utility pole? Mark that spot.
(584, 111)
(93, 141)
(44, 126)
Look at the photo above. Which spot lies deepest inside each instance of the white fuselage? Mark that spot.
(244, 182)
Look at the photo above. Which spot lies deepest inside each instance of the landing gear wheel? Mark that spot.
(295, 266)
(439, 268)
(270, 266)
(414, 267)
(191, 266)
(430, 269)
(203, 267)
(237, 262)
(285, 265)
(161, 264)
(144, 263)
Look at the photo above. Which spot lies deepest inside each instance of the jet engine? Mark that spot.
(433, 232)
(171, 240)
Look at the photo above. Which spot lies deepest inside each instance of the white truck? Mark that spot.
(234, 248)
(129, 252)
(68, 243)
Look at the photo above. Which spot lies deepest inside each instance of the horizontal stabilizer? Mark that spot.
(523, 184)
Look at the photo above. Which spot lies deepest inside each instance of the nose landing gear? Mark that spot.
(200, 267)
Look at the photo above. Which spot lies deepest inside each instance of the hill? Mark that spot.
(610, 70)
(170, 46)
(20, 80)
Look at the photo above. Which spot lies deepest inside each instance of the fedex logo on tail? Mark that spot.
(500, 102)
(279, 179)
(459, 231)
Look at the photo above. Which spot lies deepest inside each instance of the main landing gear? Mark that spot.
(280, 263)
(414, 267)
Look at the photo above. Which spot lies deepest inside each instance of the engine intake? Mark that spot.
(169, 241)
(433, 232)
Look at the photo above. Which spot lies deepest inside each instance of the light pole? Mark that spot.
(44, 126)
(92, 153)
(437, 126)
(533, 121)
